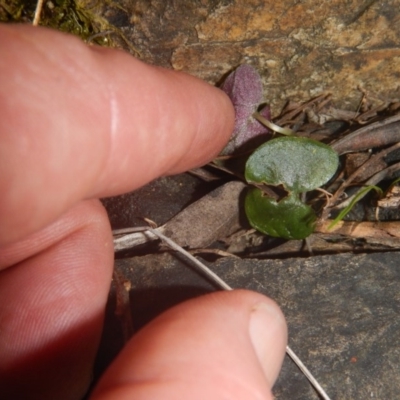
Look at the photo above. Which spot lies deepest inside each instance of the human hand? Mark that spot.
(78, 123)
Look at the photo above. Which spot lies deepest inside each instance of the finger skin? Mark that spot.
(80, 122)
(52, 306)
(202, 349)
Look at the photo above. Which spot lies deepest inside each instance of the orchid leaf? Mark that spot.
(288, 218)
(244, 88)
(296, 163)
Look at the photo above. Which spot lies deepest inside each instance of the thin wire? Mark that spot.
(225, 286)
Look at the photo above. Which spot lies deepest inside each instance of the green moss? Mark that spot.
(78, 17)
(16, 10)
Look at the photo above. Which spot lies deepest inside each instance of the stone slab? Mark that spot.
(343, 313)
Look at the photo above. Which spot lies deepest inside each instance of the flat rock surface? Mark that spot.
(342, 310)
(301, 48)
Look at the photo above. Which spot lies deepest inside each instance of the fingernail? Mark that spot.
(268, 333)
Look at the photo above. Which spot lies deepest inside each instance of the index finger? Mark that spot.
(81, 122)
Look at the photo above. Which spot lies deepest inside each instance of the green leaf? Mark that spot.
(357, 197)
(299, 164)
(288, 218)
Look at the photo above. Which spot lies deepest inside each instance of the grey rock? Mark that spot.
(342, 311)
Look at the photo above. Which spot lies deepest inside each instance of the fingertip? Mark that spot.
(268, 333)
(92, 122)
(165, 122)
(223, 345)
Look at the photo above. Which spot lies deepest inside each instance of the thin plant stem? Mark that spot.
(225, 286)
(38, 11)
(134, 229)
(307, 373)
(195, 261)
(272, 126)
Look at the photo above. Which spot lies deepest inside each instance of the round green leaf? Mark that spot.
(288, 218)
(299, 164)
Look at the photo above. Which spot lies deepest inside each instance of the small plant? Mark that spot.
(244, 88)
(295, 164)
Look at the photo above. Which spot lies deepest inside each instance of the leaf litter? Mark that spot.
(367, 141)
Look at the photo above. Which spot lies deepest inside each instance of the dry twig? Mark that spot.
(38, 11)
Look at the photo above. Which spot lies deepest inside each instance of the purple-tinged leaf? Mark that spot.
(244, 88)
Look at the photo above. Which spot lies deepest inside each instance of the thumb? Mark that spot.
(223, 345)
